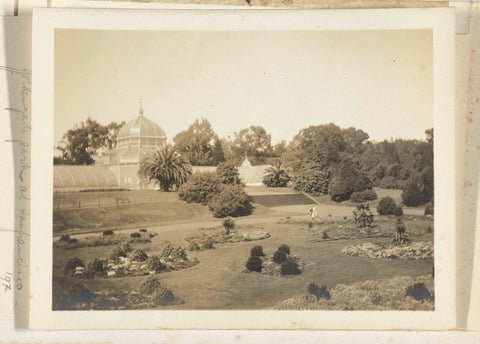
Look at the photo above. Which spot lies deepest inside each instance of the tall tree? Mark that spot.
(253, 142)
(80, 143)
(197, 143)
(218, 155)
(165, 166)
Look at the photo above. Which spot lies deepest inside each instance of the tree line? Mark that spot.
(320, 159)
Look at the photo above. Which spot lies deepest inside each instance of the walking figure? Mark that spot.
(312, 212)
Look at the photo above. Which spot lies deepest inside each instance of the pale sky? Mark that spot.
(378, 81)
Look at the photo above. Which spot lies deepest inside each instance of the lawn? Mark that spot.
(218, 281)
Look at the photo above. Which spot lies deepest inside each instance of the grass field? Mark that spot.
(218, 281)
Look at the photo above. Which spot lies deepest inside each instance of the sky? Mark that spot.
(377, 81)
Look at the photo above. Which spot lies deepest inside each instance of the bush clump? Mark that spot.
(320, 293)
(139, 255)
(419, 292)
(363, 196)
(289, 267)
(96, 267)
(135, 235)
(72, 264)
(200, 188)
(107, 232)
(398, 211)
(118, 251)
(279, 257)
(257, 251)
(254, 264)
(363, 216)
(346, 180)
(153, 290)
(173, 251)
(231, 201)
(154, 264)
(386, 206)
(284, 248)
(401, 237)
(65, 239)
(228, 174)
(142, 230)
(229, 224)
(429, 209)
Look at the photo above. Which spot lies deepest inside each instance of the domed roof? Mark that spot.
(141, 126)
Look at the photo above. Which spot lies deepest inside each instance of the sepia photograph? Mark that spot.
(257, 170)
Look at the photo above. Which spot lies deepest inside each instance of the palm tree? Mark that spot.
(276, 175)
(165, 166)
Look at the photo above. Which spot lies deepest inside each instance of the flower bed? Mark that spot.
(94, 241)
(415, 250)
(209, 236)
(385, 294)
(270, 268)
(137, 263)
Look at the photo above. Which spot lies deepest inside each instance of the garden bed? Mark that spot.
(66, 242)
(213, 235)
(386, 294)
(415, 250)
(126, 262)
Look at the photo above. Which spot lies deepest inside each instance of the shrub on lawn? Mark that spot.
(284, 248)
(289, 267)
(96, 267)
(429, 209)
(231, 201)
(65, 239)
(72, 264)
(135, 235)
(139, 255)
(200, 188)
(118, 251)
(254, 264)
(363, 216)
(208, 244)
(279, 257)
(173, 251)
(419, 292)
(153, 290)
(386, 206)
(228, 174)
(142, 230)
(229, 224)
(154, 264)
(363, 196)
(398, 211)
(256, 251)
(401, 237)
(107, 232)
(320, 293)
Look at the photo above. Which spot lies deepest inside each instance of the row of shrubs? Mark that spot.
(222, 190)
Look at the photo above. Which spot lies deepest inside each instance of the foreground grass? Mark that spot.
(384, 294)
(218, 281)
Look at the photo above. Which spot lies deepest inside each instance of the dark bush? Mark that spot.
(208, 244)
(65, 238)
(154, 264)
(279, 257)
(398, 211)
(256, 251)
(325, 235)
(72, 264)
(200, 188)
(117, 252)
(429, 209)
(419, 292)
(363, 216)
(311, 178)
(153, 290)
(229, 224)
(127, 248)
(135, 235)
(96, 267)
(289, 267)
(320, 293)
(142, 230)
(228, 174)
(345, 180)
(386, 206)
(284, 248)
(68, 295)
(254, 264)
(107, 232)
(231, 201)
(363, 196)
(139, 255)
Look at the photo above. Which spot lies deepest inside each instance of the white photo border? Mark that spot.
(442, 23)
